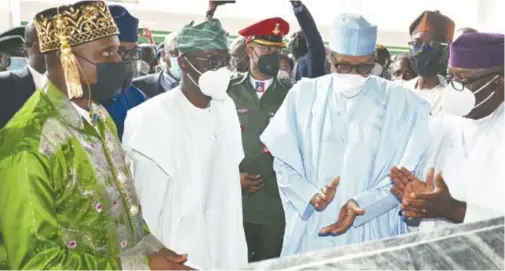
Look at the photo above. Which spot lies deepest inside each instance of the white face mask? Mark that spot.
(17, 63)
(462, 102)
(377, 70)
(175, 70)
(213, 83)
(283, 74)
(143, 68)
(349, 85)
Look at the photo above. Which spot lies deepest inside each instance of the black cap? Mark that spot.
(10, 42)
(15, 31)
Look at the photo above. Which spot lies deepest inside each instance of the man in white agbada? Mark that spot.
(186, 148)
(345, 129)
(468, 150)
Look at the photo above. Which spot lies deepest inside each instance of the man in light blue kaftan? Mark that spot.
(351, 125)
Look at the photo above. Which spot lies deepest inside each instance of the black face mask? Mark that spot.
(110, 78)
(269, 64)
(130, 73)
(429, 62)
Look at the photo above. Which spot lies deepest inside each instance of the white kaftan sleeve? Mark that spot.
(151, 183)
(297, 190)
(375, 202)
(281, 137)
(410, 151)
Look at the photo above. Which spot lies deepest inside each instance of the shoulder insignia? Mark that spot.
(237, 78)
(286, 82)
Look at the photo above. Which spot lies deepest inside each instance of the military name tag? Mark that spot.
(242, 110)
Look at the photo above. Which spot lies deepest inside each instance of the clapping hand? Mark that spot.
(403, 179)
(322, 199)
(430, 199)
(346, 217)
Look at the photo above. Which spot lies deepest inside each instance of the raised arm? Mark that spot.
(315, 45)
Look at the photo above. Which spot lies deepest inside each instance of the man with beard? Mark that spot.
(67, 199)
(465, 175)
(128, 96)
(431, 33)
(257, 95)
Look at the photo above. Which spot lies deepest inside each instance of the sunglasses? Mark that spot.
(430, 45)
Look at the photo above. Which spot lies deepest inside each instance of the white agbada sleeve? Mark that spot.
(281, 136)
(151, 183)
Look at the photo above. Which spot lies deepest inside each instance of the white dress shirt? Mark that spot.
(38, 78)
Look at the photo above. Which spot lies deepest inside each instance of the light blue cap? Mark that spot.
(353, 35)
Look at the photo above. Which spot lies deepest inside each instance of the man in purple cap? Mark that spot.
(467, 155)
(129, 95)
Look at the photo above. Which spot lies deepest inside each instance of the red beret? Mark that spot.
(269, 32)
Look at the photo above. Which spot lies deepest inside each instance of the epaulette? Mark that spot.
(237, 78)
(286, 82)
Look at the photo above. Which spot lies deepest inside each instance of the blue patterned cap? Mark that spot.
(352, 35)
(127, 24)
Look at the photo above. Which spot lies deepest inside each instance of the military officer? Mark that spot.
(258, 93)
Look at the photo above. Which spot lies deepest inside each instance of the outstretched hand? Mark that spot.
(322, 199)
(346, 217)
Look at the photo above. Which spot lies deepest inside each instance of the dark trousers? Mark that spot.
(263, 241)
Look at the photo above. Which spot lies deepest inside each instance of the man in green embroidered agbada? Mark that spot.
(67, 200)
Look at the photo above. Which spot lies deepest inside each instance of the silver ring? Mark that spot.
(424, 210)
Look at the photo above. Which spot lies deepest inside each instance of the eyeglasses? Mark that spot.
(363, 68)
(133, 54)
(430, 45)
(216, 62)
(470, 84)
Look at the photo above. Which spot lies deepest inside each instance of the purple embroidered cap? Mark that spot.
(477, 50)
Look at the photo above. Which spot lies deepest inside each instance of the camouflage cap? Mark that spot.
(205, 36)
